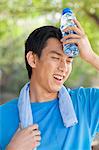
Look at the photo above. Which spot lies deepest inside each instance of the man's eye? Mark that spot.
(57, 58)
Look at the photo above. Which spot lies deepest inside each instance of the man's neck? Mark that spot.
(38, 94)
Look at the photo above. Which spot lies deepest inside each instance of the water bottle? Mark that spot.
(67, 20)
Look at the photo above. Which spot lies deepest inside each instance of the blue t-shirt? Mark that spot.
(54, 135)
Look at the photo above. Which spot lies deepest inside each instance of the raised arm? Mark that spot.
(80, 38)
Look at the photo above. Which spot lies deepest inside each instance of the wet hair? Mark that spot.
(37, 40)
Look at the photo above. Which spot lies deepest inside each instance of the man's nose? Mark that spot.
(63, 66)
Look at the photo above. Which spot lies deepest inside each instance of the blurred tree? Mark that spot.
(19, 18)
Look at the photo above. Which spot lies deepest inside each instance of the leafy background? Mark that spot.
(19, 18)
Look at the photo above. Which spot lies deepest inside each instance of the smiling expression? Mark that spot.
(53, 68)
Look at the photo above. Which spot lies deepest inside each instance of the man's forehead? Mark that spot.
(60, 53)
(53, 44)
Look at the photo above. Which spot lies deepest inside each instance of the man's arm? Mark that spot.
(80, 39)
(94, 61)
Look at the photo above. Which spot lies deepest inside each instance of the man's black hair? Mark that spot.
(37, 41)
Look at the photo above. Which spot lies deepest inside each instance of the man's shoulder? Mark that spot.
(9, 111)
(84, 90)
(83, 93)
(9, 119)
(10, 104)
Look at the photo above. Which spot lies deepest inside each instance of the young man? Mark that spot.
(50, 118)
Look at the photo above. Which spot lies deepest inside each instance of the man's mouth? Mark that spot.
(59, 78)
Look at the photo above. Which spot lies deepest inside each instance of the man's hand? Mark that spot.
(81, 40)
(25, 139)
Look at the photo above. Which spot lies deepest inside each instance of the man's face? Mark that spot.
(53, 68)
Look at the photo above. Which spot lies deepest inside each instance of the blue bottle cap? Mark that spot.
(66, 10)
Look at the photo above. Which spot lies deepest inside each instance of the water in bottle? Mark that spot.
(67, 20)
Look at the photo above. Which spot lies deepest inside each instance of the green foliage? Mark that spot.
(19, 18)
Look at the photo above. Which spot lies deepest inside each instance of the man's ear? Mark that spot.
(31, 58)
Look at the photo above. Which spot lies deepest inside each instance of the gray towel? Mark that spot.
(65, 105)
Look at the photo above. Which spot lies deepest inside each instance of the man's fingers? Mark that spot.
(78, 24)
(34, 142)
(73, 28)
(37, 143)
(37, 138)
(33, 127)
(70, 36)
(70, 41)
(36, 132)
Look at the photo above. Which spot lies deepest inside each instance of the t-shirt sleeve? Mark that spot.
(90, 102)
(8, 122)
(0, 130)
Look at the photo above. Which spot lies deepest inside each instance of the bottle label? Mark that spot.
(67, 20)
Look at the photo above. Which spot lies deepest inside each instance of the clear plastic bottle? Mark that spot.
(67, 20)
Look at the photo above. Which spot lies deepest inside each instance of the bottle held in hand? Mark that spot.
(67, 20)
